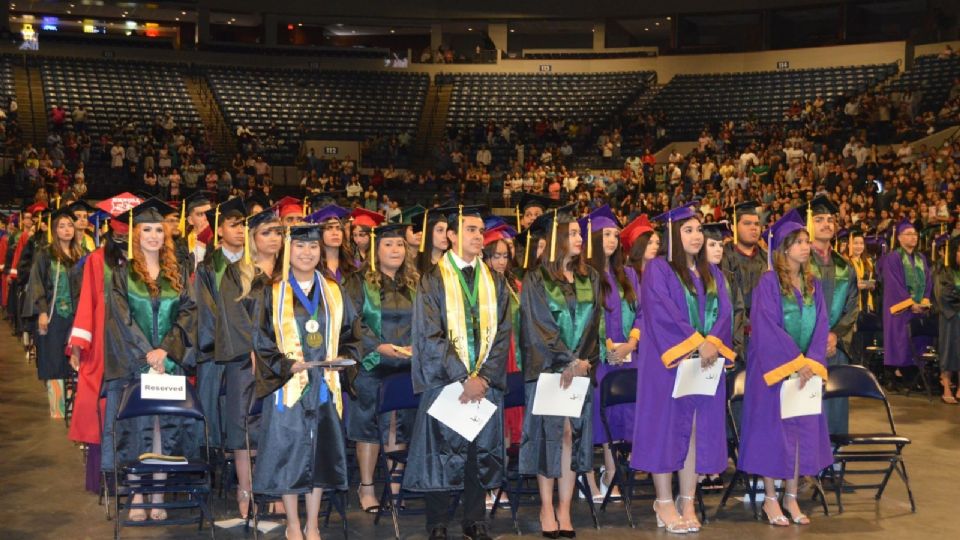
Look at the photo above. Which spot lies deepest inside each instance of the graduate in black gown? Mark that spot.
(433, 243)
(50, 303)
(560, 332)
(150, 326)
(384, 291)
(947, 301)
(461, 332)
(242, 282)
(744, 259)
(227, 220)
(303, 318)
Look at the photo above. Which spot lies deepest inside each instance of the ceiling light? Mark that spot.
(176, 18)
(300, 24)
(392, 31)
(339, 25)
(668, 18)
(646, 29)
(69, 12)
(469, 29)
(657, 23)
(353, 31)
(512, 30)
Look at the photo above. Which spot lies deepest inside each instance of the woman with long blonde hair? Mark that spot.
(790, 324)
(50, 297)
(242, 283)
(385, 289)
(151, 328)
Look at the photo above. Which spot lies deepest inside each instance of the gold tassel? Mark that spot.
(553, 237)
(50, 229)
(893, 238)
(589, 238)
(216, 226)
(305, 207)
(836, 243)
(423, 235)
(459, 232)
(518, 217)
(183, 218)
(810, 220)
(286, 255)
(130, 237)
(373, 250)
(21, 220)
(669, 238)
(246, 242)
(58, 202)
(735, 235)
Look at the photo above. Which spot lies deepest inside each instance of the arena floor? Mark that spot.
(42, 479)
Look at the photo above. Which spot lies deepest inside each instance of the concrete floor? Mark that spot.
(42, 495)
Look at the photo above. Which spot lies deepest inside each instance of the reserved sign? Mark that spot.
(166, 387)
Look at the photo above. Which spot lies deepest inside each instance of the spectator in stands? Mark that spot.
(12, 108)
(80, 116)
(58, 117)
(354, 190)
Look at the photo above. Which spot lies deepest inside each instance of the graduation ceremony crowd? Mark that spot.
(778, 262)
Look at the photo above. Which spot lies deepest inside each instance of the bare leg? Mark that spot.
(157, 513)
(293, 517)
(611, 468)
(393, 446)
(548, 519)
(367, 460)
(664, 508)
(688, 482)
(790, 496)
(313, 513)
(241, 459)
(568, 479)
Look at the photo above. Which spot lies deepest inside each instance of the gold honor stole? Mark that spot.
(457, 318)
(290, 344)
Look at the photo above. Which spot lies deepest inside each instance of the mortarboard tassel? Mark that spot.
(589, 238)
(304, 207)
(246, 242)
(58, 202)
(669, 238)
(553, 237)
(373, 250)
(946, 255)
(183, 218)
(893, 238)
(810, 221)
(770, 250)
(735, 235)
(50, 229)
(130, 237)
(526, 251)
(286, 255)
(96, 234)
(459, 232)
(216, 226)
(423, 235)
(518, 217)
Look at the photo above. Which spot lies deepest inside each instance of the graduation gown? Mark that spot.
(664, 425)
(947, 297)
(87, 335)
(10, 241)
(839, 282)
(513, 417)
(389, 317)
(236, 323)
(769, 445)
(745, 270)
(52, 360)
(898, 350)
(19, 272)
(136, 325)
(209, 374)
(437, 454)
(545, 350)
(619, 320)
(300, 447)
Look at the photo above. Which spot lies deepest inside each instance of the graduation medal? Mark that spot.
(314, 337)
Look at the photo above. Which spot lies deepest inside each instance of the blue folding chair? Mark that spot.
(618, 388)
(512, 399)
(192, 479)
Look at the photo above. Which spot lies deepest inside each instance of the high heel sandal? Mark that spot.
(693, 525)
(243, 499)
(372, 509)
(678, 526)
(799, 519)
(779, 521)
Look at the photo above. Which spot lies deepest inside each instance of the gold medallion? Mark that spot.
(314, 339)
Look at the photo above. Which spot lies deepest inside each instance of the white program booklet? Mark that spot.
(693, 380)
(795, 401)
(467, 419)
(551, 400)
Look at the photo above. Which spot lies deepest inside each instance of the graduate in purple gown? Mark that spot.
(790, 325)
(620, 290)
(907, 287)
(687, 312)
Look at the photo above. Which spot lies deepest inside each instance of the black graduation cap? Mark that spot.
(556, 216)
(748, 208)
(199, 198)
(81, 206)
(230, 209)
(528, 200)
(818, 206)
(325, 199)
(388, 230)
(256, 199)
(149, 211)
(717, 230)
(531, 235)
(306, 233)
(270, 214)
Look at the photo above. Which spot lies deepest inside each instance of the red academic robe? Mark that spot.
(17, 253)
(87, 335)
(4, 245)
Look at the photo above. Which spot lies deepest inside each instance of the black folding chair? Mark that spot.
(192, 479)
(736, 386)
(619, 388)
(923, 336)
(512, 479)
(886, 447)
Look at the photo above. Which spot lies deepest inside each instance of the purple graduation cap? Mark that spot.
(680, 213)
(599, 219)
(331, 211)
(778, 232)
(904, 225)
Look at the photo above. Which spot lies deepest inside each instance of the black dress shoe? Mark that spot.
(551, 534)
(567, 534)
(477, 531)
(440, 533)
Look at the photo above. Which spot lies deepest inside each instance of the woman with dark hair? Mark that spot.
(364, 221)
(242, 283)
(641, 243)
(151, 327)
(688, 318)
(559, 333)
(433, 240)
(304, 317)
(50, 297)
(620, 289)
(336, 261)
(385, 289)
(789, 340)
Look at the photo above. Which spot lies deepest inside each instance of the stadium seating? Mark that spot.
(691, 101)
(330, 104)
(7, 88)
(932, 77)
(115, 91)
(589, 98)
